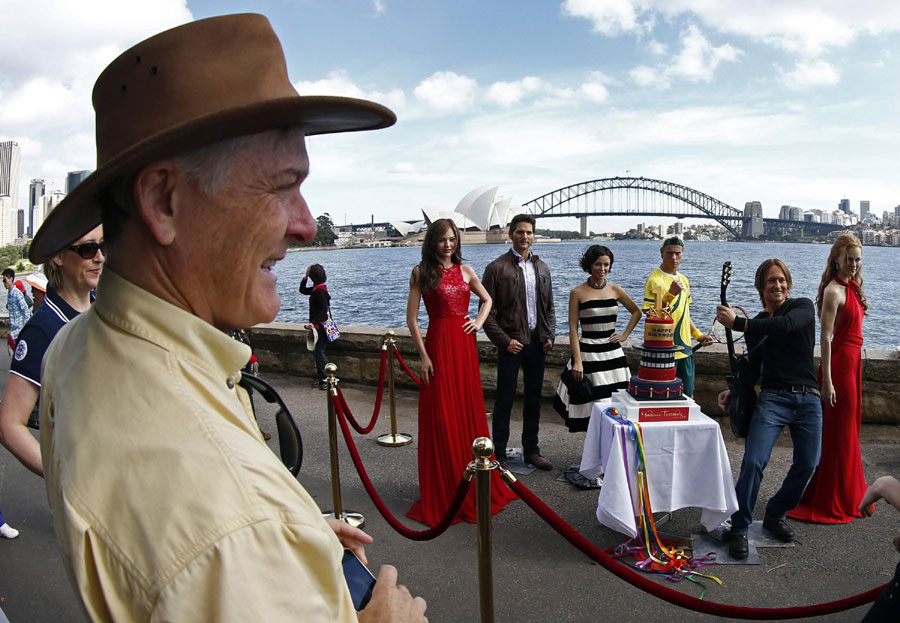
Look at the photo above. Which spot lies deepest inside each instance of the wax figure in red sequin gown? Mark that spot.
(834, 493)
(451, 404)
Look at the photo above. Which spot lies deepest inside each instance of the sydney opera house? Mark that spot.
(481, 216)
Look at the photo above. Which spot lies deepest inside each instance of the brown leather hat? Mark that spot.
(190, 86)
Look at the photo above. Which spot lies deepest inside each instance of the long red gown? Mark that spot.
(837, 487)
(451, 407)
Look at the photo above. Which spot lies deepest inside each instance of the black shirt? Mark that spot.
(318, 302)
(786, 356)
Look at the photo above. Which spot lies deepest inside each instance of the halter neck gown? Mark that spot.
(834, 493)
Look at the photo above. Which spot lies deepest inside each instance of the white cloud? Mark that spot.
(806, 27)
(507, 94)
(610, 17)
(698, 58)
(379, 7)
(338, 83)
(646, 76)
(696, 61)
(595, 88)
(809, 74)
(446, 91)
(657, 48)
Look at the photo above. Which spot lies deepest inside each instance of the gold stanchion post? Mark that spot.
(351, 517)
(394, 439)
(483, 448)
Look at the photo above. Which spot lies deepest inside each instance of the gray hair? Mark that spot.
(206, 168)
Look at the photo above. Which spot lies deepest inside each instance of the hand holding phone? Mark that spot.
(360, 580)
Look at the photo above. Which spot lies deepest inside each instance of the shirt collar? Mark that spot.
(137, 311)
(59, 306)
(519, 257)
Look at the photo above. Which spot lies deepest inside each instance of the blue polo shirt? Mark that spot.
(36, 335)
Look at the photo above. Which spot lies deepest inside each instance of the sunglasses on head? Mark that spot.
(88, 250)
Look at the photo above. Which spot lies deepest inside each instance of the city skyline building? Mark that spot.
(36, 189)
(753, 228)
(74, 178)
(863, 210)
(844, 206)
(9, 191)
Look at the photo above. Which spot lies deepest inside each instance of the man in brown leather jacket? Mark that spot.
(521, 325)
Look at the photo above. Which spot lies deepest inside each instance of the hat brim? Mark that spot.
(79, 212)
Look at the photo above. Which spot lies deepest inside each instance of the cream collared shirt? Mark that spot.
(167, 503)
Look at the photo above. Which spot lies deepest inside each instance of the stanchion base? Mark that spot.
(391, 440)
(351, 517)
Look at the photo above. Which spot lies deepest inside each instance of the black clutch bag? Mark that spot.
(580, 392)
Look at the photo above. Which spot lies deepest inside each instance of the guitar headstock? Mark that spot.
(726, 275)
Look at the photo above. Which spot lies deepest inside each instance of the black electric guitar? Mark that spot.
(741, 381)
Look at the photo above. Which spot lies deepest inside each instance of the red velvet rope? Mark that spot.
(406, 367)
(414, 535)
(368, 429)
(672, 596)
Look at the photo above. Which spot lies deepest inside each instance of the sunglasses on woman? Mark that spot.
(88, 250)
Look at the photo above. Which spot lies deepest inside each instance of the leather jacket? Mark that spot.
(508, 320)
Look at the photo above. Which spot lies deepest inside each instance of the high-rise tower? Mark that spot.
(36, 190)
(9, 191)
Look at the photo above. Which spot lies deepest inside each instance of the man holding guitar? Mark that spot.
(789, 397)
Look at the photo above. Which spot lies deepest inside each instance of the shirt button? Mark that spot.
(230, 382)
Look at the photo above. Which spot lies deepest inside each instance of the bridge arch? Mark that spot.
(688, 202)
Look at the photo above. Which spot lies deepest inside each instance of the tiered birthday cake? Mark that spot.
(656, 378)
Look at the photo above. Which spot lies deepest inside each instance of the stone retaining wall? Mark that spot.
(281, 347)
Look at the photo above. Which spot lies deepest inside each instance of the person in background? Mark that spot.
(72, 276)
(18, 309)
(6, 530)
(167, 503)
(319, 301)
(598, 354)
(789, 396)
(252, 367)
(677, 297)
(886, 608)
(38, 283)
(451, 403)
(521, 325)
(833, 494)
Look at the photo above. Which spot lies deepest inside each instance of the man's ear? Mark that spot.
(155, 189)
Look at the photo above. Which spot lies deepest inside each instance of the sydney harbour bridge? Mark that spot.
(625, 196)
(633, 196)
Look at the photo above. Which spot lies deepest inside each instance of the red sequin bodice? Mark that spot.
(450, 299)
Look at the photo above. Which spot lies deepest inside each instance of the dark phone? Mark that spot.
(360, 580)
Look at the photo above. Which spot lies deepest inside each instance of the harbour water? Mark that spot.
(369, 287)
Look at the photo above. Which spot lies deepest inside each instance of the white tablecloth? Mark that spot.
(687, 465)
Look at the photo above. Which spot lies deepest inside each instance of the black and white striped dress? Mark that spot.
(603, 361)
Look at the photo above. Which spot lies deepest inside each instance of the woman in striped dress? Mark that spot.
(597, 355)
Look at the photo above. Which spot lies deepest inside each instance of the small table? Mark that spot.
(687, 465)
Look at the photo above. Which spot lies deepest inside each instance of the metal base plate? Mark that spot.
(351, 517)
(706, 544)
(393, 441)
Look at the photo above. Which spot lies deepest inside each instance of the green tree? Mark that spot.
(325, 235)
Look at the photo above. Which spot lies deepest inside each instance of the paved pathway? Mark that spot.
(538, 575)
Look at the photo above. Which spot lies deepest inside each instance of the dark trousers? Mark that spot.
(531, 360)
(319, 353)
(887, 604)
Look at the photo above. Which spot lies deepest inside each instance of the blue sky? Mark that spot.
(780, 102)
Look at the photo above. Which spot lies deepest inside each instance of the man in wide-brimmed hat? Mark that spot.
(167, 503)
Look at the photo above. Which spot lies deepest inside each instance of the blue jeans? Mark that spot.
(802, 414)
(531, 360)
